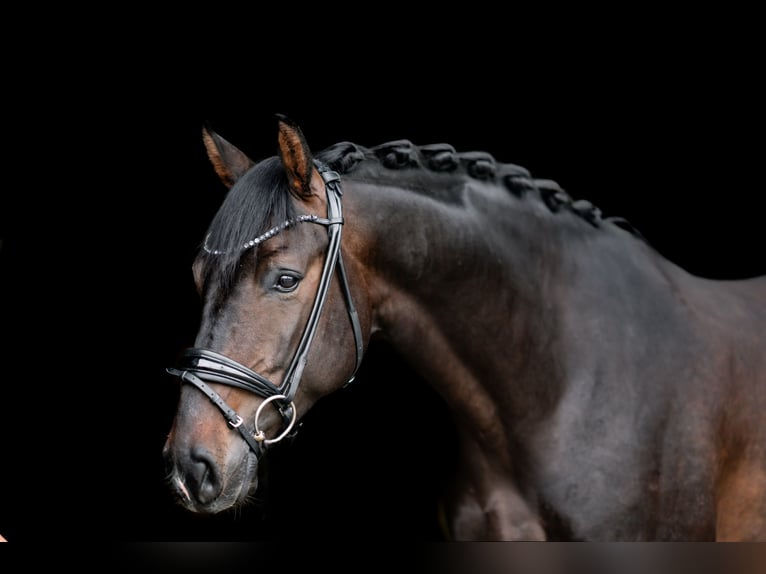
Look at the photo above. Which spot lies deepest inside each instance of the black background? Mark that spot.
(103, 214)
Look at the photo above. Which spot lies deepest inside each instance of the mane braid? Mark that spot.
(258, 206)
(345, 157)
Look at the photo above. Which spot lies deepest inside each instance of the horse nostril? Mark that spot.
(203, 476)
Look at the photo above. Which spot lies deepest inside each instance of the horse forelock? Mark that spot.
(260, 198)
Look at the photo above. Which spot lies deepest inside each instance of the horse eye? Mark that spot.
(287, 283)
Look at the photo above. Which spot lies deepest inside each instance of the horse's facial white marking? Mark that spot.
(182, 487)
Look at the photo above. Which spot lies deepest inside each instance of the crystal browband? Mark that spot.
(273, 231)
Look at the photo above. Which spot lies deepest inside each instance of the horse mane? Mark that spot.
(344, 157)
(247, 213)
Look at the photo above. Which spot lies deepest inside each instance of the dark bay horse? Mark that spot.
(599, 391)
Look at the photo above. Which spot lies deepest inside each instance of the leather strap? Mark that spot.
(229, 413)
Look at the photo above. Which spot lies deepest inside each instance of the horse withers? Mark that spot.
(599, 391)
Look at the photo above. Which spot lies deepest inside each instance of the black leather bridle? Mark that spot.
(199, 367)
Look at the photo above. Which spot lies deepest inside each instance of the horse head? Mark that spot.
(279, 326)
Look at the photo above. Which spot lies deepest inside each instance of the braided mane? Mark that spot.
(246, 214)
(344, 157)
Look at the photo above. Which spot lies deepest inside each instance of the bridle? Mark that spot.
(198, 366)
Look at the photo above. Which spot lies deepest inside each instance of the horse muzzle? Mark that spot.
(206, 485)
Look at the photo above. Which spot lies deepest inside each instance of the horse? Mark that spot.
(600, 392)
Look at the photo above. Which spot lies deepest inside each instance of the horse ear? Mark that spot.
(228, 161)
(296, 157)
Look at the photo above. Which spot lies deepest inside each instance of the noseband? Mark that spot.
(198, 367)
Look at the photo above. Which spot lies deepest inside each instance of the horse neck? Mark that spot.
(460, 288)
